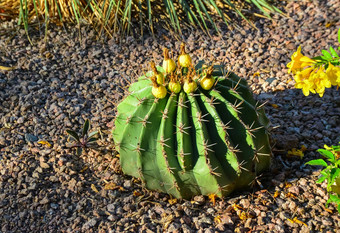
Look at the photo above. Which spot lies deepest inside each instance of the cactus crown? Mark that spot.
(200, 142)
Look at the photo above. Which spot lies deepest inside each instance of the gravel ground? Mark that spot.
(60, 83)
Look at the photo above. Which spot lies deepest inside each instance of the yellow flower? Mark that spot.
(299, 61)
(295, 64)
(333, 74)
(295, 152)
(327, 147)
(303, 75)
(302, 80)
(320, 81)
(305, 86)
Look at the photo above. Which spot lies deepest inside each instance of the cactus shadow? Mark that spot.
(296, 121)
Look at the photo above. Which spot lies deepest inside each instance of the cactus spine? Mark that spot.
(202, 142)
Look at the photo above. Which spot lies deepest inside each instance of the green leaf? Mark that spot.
(317, 162)
(118, 7)
(334, 54)
(150, 16)
(23, 15)
(256, 3)
(336, 148)
(91, 140)
(329, 155)
(201, 15)
(327, 55)
(334, 198)
(228, 2)
(322, 58)
(86, 127)
(127, 16)
(92, 134)
(266, 5)
(334, 174)
(325, 59)
(174, 15)
(321, 179)
(325, 172)
(212, 2)
(73, 134)
(79, 151)
(36, 11)
(59, 11)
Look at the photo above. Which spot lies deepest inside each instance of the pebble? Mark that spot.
(89, 224)
(31, 138)
(111, 208)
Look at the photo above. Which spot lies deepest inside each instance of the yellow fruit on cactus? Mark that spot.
(168, 64)
(207, 82)
(189, 86)
(175, 87)
(184, 59)
(159, 76)
(159, 91)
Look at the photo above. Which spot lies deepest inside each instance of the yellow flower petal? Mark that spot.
(295, 64)
(305, 91)
(333, 74)
(307, 59)
(304, 74)
(327, 147)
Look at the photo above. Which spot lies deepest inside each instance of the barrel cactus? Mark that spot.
(207, 136)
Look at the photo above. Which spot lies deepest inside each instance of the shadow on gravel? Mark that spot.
(297, 120)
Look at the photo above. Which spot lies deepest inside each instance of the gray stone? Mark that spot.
(111, 208)
(30, 138)
(90, 224)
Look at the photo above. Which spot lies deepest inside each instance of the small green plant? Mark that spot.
(314, 75)
(86, 139)
(331, 173)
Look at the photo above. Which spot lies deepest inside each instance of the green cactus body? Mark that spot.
(206, 142)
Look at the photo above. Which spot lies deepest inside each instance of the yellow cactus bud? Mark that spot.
(159, 91)
(175, 87)
(159, 76)
(168, 64)
(189, 86)
(184, 59)
(207, 83)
